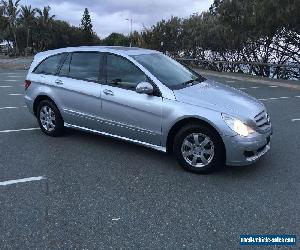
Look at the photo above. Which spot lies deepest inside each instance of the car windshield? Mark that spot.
(168, 71)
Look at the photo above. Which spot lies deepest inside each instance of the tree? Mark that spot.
(44, 25)
(27, 19)
(87, 26)
(166, 35)
(116, 39)
(3, 23)
(11, 10)
(264, 28)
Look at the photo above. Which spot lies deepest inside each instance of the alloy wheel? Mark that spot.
(47, 118)
(198, 150)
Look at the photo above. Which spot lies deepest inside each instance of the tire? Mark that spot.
(201, 142)
(49, 118)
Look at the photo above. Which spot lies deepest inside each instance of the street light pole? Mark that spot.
(130, 30)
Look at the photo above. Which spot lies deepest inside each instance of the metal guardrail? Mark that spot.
(271, 70)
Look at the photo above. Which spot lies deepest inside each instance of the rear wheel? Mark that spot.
(49, 118)
(198, 148)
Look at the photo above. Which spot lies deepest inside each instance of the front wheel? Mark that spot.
(49, 118)
(198, 148)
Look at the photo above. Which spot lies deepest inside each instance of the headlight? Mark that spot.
(237, 126)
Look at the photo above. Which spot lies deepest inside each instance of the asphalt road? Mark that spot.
(100, 193)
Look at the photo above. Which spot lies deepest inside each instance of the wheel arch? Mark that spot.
(188, 120)
(40, 98)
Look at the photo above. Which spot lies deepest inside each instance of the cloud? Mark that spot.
(110, 15)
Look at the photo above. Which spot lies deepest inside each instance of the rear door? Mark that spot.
(78, 88)
(45, 73)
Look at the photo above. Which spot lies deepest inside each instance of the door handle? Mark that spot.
(108, 92)
(58, 82)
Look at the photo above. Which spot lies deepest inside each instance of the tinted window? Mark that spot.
(85, 66)
(49, 66)
(122, 73)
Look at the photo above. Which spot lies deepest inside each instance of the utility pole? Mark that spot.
(130, 30)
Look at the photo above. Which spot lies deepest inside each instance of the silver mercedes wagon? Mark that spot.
(145, 97)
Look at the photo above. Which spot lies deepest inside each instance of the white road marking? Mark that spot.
(295, 120)
(17, 130)
(277, 98)
(11, 80)
(38, 178)
(255, 87)
(15, 76)
(13, 107)
(115, 219)
(6, 86)
(15, 94)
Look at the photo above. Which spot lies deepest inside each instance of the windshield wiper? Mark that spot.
(191, 81)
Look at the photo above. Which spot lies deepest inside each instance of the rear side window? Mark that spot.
(49, 65)
(83, 66)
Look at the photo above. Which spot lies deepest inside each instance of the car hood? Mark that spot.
(220, 97)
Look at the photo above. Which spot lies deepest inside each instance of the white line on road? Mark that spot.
(257, 87)
(295, 120)
(13, 107)
(38, 178)
(6, 86)
(17, 130)
(277, 98)
(15, 94)
(15, 76)
(11, 80)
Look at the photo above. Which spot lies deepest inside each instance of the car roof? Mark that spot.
(120, 50)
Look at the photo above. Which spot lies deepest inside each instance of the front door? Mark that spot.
(125, 112)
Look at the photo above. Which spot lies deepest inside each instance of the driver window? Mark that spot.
(122, 73)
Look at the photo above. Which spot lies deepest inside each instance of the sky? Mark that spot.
(110, 15)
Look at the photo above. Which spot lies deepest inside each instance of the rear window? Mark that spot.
(83, 66)
(49, 66)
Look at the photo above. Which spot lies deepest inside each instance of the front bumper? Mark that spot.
(244, 151)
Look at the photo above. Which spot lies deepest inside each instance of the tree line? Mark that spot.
(32, 30)
(260, 31)
(263, 31)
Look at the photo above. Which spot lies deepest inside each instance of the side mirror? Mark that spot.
(144, 88)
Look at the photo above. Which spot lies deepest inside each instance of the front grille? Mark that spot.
(262, 120)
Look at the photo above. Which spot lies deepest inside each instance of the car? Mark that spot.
(145, 97)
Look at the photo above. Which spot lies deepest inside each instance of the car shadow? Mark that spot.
(118, 145)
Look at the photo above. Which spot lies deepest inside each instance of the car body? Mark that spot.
(124, 109)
